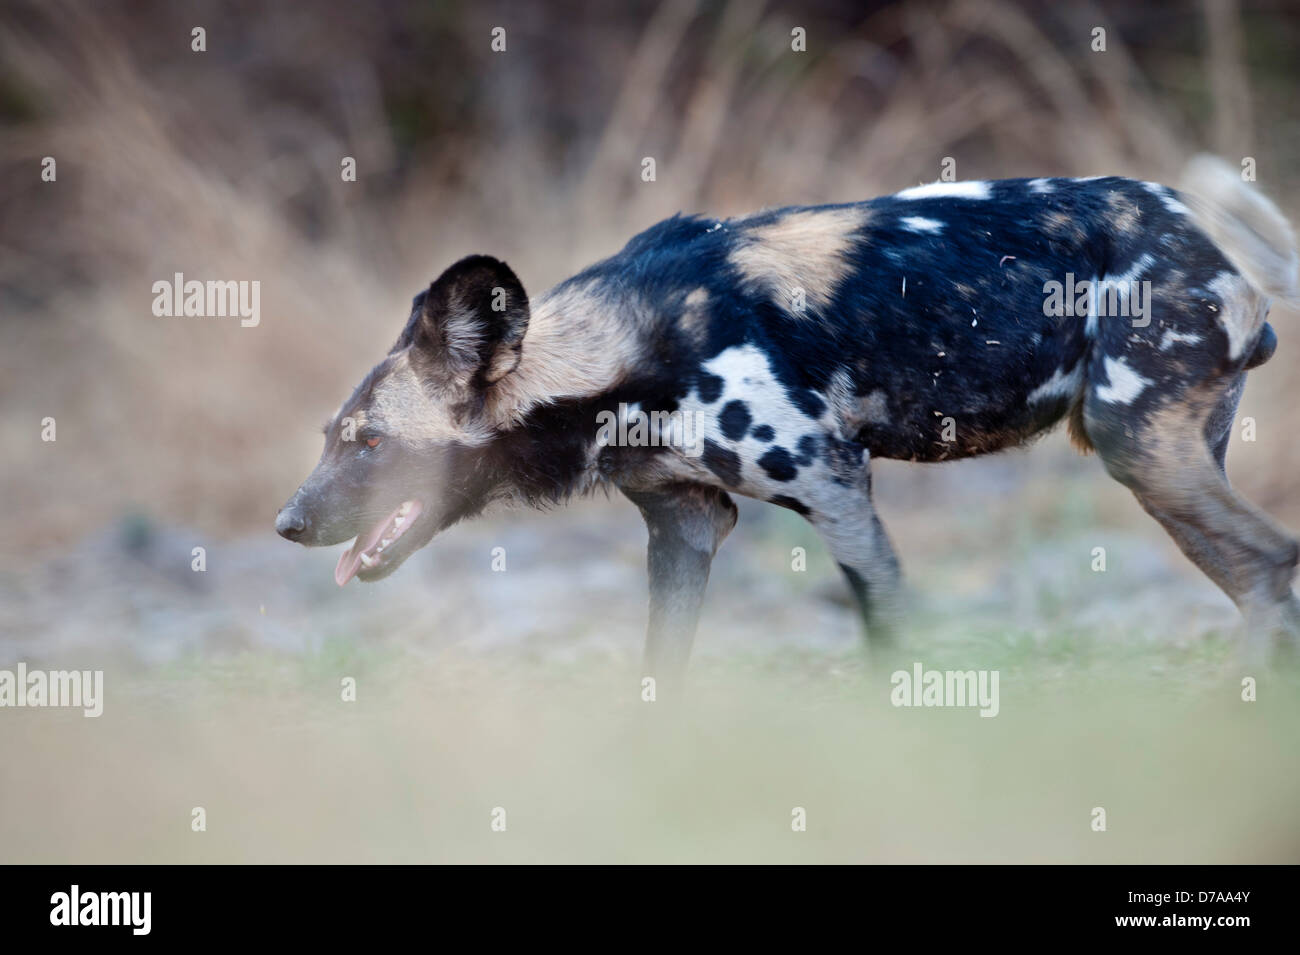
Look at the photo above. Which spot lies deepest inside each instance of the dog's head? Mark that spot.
(406, 454)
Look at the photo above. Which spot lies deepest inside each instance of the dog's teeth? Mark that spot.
(367, 561)
(406, 506)
(398, 522)
(385, 542)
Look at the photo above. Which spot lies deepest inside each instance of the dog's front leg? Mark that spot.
(687, 523)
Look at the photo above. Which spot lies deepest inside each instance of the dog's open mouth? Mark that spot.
(368, 551)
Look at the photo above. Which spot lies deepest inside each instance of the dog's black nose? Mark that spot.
(290, 523)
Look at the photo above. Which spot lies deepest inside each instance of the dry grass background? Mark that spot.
(174, 431)
(225, 164)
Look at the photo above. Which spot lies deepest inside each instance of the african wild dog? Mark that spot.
(813, 339)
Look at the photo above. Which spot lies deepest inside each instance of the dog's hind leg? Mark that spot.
(687, 524)
(1171, 457)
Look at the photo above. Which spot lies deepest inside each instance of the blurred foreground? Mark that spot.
(413, 770)
(520, 689)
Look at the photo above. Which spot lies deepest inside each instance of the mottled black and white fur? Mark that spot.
(807, 341)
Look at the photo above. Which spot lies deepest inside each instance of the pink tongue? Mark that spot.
(350, 562)
(347, 566)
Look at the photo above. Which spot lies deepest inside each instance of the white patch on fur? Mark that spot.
(1166, 197)
(1129, 275)
(974, 189)
(921, 224)
(1172, 338)
(463, 337)
(1125, 383)
(1062, 384)
(747, 376)
(840, 395)
(1241, 313)
(1041, 186)
(1090, 325)
(1123, 285)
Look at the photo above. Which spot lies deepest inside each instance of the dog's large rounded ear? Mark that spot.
(470, 328)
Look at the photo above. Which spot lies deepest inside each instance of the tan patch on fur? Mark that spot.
(1179, 476)
(875, 408)
(1241, 313)
(1165, 460)
(401, 406)
(852, 412)
(1059, 225)
(694, 320)
(806, 250)
(1078, 434)
(578, 344)
(871, 408)
(1125, 216)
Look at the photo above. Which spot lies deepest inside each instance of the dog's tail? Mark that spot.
(1249, 230)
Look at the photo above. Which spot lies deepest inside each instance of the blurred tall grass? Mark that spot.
(225, 164)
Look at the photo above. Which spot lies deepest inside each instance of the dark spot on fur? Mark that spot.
(807, 450)
(791, 503)
(845, 460)
(763, 432)
(725, 464)
(808, 402)
(778, 464)
(734, 419)
(710, 387)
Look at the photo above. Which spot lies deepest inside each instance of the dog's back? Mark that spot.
(946, 320)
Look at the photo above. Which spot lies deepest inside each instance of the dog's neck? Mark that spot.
(578, 345)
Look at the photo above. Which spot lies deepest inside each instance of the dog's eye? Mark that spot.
(372, 442)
